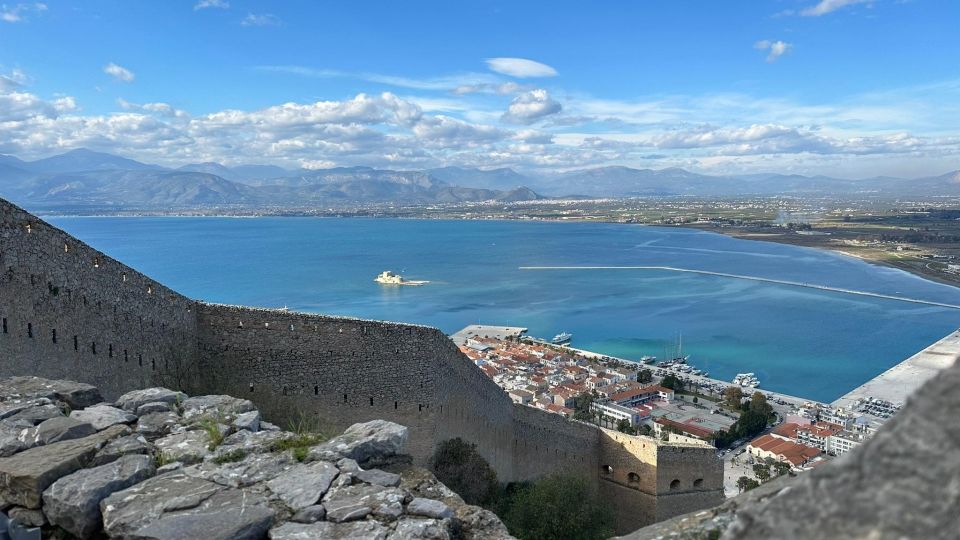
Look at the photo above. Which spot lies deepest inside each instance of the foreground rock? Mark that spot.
(368, 441)
(24, 476)
(225, 472)
(73, 502)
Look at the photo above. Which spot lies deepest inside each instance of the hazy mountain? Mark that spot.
(83, 178)
(126, 188)
(368, 185)
(501, 179)
(84, 160)
(627, 182)
(241, 173)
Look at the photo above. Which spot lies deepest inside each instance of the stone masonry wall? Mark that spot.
(69, 311)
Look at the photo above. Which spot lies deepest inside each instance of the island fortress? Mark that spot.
(70, 312)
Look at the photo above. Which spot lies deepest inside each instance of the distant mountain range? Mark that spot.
(87, 179)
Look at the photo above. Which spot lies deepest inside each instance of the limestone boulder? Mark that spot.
(310, 514)
(429, 508)
(367, 530)
(176, 505)
(73, 502)
(251, 443)
(103, 416)
(187, 447)
(154, 407)
(246, 471)
(155, 425)
(12, 436)
(13, 406)
(378, 477)
(131, 401)
(129, 445)
(61, 428)
(28, 517)
(36, 414)
(24, 476)
(76, 395)
(376, 440)
(217, 407)
(303, 485)
(249, 421)
(344, 503)
(419, 529)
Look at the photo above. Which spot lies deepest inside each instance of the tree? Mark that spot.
(623, 426)
(762, 472)
(672, 382)
(781, 468)
(758, 403)
(746, 484)
(695, 400)
(558, 506)
(581, 407)
(457, 464)
(644, 376)
(644, 430)
(732, 396)
(750, 423)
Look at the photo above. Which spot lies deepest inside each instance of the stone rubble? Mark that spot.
(158, 464)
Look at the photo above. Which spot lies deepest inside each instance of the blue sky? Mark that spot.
(843, 87)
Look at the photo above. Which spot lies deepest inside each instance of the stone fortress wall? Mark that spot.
(117, 329)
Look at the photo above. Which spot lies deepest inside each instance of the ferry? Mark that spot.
(562, 338)
(389, 278)
(648, 359)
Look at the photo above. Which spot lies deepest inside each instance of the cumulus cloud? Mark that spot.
(19, 12)
(119, 73)
(261, 19)
(776, 48)
(828, 6)
(530, 107)
(13, 80)
(520, 67)
(206, 4)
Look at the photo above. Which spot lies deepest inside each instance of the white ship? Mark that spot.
(561, 338)
(389, 278)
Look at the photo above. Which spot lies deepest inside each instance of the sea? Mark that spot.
(803, 342)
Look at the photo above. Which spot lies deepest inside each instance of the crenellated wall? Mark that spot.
(120, 330)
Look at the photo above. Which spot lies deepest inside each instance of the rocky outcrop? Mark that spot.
(158, 464)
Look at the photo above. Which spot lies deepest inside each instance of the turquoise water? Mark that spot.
(799, 341)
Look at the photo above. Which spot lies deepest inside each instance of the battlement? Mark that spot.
(69, 311)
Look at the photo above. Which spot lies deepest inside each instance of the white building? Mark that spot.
(611, 413)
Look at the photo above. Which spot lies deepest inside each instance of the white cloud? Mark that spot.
(19, 12)
(119, 73)
(828, 6)
(205, 4)
(13, 80)
(530, 107)
(261, 19)
(520, 67)
(776, 48)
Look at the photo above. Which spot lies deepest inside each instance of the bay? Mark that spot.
(804, 342)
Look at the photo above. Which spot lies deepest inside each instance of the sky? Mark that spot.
(847, 88)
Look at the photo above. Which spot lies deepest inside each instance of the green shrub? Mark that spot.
(461, 468)
(558, 506)
(230, 457)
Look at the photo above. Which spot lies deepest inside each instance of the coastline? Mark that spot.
(801, 241)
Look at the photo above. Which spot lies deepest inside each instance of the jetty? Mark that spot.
(755, 278)
(898, 383)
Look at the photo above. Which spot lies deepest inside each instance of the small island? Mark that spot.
(389, 278)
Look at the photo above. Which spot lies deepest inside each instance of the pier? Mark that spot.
(902, 380)
(754, 278)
